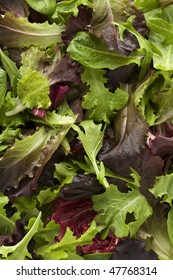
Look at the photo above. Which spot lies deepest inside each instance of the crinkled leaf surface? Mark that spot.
(19, 32)
(163, 188)
(71, 6)
(33, 90)
(114, 208)
(30, 60)
(92, 139)
(101, 103)
(67, 245)
(45, 233)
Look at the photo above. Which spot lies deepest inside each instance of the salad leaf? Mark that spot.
(132, 249)
(92, 52)
(162, 188)
(104, 14)
(46, 7)
(9, 134)
(67, 245)
(163, 61)
(64, 172)
(146, 5)
(20, 251)
(30, 60)
(115, 207)
(7, 226)
(19, 7)
(3, 85)
(159, 25)
(170, 225)
(154, 234)
(19, 32)
(92, 139)
(86, 129)
(82, 186)
(22, 158)
(33, 90)
(71, 6)
(100, 102)
(45, 233)
(10, 67)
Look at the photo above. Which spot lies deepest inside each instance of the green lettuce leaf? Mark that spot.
(22, 158)
(33, 90)
(124, 212)
(45, 233)
(9, 134)
(163, 188)
(30, 60)
(163, 61)
(170, 225)
(93, 53)
(20, 250)
(146, 5)
(46, 7)
(65, 172)
(154, 98)
(7, 225)
(7, 116)
(146, 47)
(154, 233)
(10, 68)
(26, 206)
(71, 6)
(100, 102)
(3, 86)
(160, 25)
(92, 141)
(67, 245)
(48, 195)
(19, 32)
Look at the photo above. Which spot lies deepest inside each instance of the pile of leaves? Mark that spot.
(86, 129)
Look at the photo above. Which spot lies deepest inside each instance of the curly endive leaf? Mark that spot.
(101, 103)
(115, 207)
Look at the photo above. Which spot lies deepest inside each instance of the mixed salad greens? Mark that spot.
(86, 129)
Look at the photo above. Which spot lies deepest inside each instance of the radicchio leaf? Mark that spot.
(78, 215)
